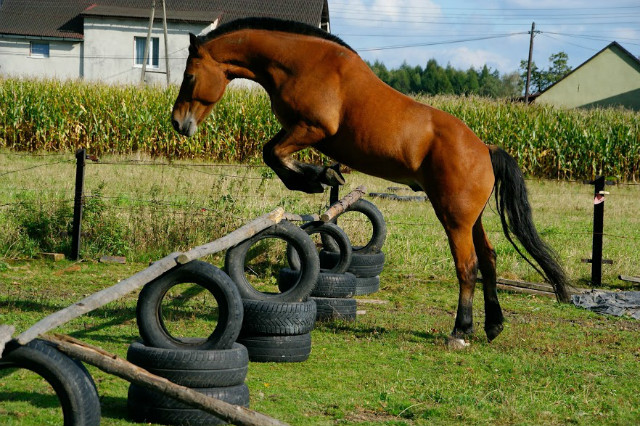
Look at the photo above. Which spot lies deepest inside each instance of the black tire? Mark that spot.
(193, 368)
(278, 348)
(367, 285)
(340, 242)
(299, 240)
(379, 231)
(149, 406)
(333, 308)
(362, 265)
(279, 319)
(328, 285)
(72, 383)
(149, 310)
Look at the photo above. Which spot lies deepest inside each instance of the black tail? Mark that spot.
(513, 204)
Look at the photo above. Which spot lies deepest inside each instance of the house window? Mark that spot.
(154, 51)
(39, 50)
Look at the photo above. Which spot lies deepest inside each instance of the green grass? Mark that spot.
(553, 364)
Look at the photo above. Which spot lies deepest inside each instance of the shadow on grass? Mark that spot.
(365, 331)
(115, 407)
(113, 317)
(36, 399)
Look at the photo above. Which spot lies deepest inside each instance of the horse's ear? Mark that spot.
(194, 46)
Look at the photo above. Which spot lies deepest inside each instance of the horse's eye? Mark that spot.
(189, 77)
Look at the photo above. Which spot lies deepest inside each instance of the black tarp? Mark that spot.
(617, 303)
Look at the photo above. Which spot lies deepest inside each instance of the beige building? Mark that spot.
(610, 78)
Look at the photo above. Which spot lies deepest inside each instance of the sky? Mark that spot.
(467, 33)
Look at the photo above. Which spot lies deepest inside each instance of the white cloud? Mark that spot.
(464, 58)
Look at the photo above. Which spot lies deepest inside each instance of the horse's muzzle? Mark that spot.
(186, 127)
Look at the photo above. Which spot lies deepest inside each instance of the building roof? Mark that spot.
(206, 16)
(64, 18)
(613, 44)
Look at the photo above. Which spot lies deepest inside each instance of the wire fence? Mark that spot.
(198, 168)
(152, 206)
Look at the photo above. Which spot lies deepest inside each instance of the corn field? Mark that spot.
(64, 116)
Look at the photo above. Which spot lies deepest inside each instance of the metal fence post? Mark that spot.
(78, 202)
(598, 227)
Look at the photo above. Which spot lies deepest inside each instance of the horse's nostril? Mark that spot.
(175, 125)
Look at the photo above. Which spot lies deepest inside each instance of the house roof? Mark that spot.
(613, 44)
(96, 10)
(64, 18)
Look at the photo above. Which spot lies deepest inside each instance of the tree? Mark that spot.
(489, 82)
(436, 80)
(512, 85)
(541, 79)
(559, 67)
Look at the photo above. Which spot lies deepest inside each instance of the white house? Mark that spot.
(104, 40)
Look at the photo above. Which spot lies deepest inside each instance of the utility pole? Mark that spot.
(526, 87)
(146, 46)
(166, 42)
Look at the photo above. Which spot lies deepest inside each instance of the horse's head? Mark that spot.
(202, 86)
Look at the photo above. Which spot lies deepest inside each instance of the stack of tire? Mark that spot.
(215, 366)
(367, 262)
(72, 383)
(277, 326)
(335, 287)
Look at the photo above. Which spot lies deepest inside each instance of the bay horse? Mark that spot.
(326, 97)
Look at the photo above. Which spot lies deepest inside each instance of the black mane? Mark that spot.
(272, 24)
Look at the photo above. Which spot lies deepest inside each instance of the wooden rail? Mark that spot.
(126, 286)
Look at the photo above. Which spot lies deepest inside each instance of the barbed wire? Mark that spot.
(34, 167)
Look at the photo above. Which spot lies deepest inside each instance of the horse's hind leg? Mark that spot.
(466, 263)
(295, 175)
(487, 264)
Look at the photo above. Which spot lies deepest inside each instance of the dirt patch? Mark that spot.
(363, 415)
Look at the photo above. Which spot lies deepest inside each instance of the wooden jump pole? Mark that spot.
(115, 365)
(136, 281)
(341, 205)
(101, 298)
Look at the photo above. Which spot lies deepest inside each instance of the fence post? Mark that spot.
(78, 202)
(598, 228)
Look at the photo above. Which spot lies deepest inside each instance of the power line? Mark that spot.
(592, 37)
(567, 42)
(369, 49)
(573, 16)
(475, 23)
(523, 9)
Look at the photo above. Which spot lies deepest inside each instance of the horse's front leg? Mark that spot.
(295, 175)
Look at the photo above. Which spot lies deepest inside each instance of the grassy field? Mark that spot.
(553, 364)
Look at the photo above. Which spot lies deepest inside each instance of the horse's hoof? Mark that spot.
(333, 177)
(457, 343)
(493, 331)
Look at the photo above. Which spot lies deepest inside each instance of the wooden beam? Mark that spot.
(233, 238)
(630, 279)
(6, 333)
(115, 365)
(515, 289)
(99, 299)
(341, 205)
(518, 286)
(291, 217)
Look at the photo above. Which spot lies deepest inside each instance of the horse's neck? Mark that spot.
(251, 56)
